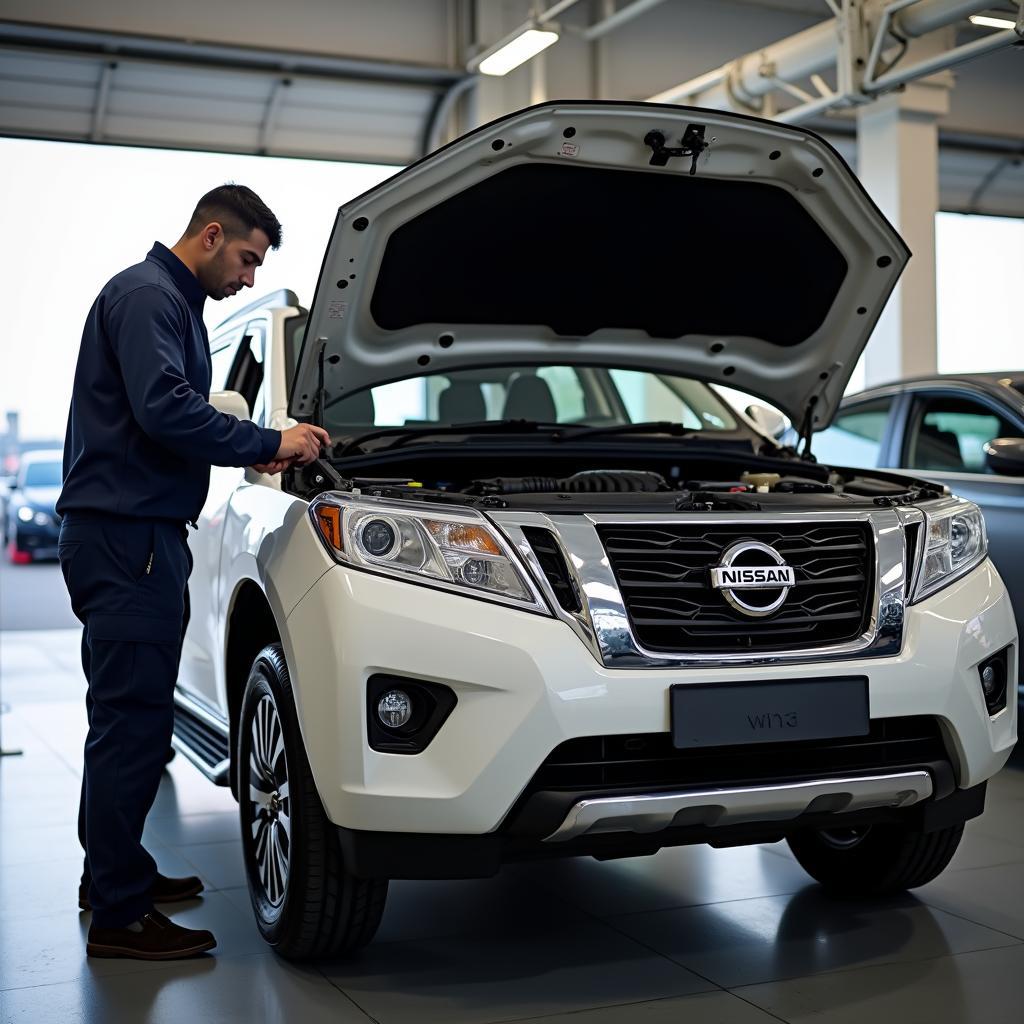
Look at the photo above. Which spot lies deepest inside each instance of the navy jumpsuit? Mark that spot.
(141, 438)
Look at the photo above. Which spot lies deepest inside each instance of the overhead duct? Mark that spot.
(842, 42)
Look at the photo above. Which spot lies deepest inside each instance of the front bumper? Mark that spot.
(39, 541)
(526, 683)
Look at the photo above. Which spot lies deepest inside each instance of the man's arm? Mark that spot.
(145, 329)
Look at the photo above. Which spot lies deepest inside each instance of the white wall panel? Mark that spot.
(399, 30)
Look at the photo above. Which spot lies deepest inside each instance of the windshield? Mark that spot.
(43, 474)
(586, 395)
(589, 396)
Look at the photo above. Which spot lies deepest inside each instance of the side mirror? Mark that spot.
(230, 402)
(770, 421)
(1005, 455)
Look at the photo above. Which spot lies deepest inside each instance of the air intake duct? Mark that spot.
(591, 481)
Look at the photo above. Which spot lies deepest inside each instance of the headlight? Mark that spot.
(25, 514)
(954, 543)
(41, 519)
(454, 549)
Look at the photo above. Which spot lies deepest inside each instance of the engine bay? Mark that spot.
(604, 481)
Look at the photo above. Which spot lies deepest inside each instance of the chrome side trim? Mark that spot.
(715, 807)
(604, 625)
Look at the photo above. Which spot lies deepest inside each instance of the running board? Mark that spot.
(714, 807)
(203, 738)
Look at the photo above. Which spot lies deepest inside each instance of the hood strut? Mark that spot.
(321, 398)
(806, 433)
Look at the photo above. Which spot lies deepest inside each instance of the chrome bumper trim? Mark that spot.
(715, 807)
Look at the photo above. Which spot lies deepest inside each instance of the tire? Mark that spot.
(307, 906)
(874, 860)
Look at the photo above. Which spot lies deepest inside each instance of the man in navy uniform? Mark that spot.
(140, 441)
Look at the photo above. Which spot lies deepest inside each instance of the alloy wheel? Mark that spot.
(269, 802)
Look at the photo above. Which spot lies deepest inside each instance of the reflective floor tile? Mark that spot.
(230, 990)
(220, 863)
(463, 979)
(31, 844)
(993, 896)
(750, 941)
(984, 987)
(183, 790)
(476, 906)
(977, 850)
(680, 877)
(40, 889)
(703, 1008)
(190, 829)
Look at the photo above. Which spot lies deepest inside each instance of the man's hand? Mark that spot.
(272, 468)
(301, 445)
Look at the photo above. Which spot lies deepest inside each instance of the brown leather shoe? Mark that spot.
(165, 890)
(160, 939)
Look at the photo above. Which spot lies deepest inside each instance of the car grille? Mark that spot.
(649, 759)
(663, 573)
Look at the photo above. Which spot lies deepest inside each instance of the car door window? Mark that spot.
(855, 437)
(222, 356)
(950, 432)
(247, 373)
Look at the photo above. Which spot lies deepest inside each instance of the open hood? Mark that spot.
(675, 239)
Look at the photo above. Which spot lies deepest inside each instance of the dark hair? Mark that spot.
(238, 210)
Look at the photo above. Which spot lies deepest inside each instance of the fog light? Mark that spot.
(394, 709)
(989, 680)
(992, 674)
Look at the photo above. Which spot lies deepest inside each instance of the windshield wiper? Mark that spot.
(652, 427)
(403, 434)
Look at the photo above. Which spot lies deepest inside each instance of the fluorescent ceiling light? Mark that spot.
(516, 50)
(982, 19)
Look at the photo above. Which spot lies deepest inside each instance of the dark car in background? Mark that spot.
(965, 431)
(31, 525)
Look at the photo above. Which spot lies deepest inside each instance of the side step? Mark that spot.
(203, 738)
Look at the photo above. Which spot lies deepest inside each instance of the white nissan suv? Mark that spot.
(546, 594)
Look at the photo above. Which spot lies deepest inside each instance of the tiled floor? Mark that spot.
(694, 935)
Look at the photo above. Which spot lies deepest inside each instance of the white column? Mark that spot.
(898, 162)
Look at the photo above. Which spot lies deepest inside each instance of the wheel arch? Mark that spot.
(251, 625)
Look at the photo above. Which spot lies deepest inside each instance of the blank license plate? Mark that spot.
(727, 714)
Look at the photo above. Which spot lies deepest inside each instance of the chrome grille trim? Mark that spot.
(604, 626)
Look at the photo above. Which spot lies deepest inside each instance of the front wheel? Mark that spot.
(874, 860)
(307, 905)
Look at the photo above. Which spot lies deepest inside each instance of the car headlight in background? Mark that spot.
(955, 542)
(26, 514)
(454, 549)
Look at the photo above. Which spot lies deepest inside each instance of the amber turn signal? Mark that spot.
(328, 521)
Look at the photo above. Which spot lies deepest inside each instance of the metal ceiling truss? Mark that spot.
(854, 43)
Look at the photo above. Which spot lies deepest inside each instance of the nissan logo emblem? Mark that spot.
(751, 565)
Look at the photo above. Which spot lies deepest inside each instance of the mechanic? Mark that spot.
(141, 438)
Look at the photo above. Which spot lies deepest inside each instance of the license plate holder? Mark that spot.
(782, 710)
